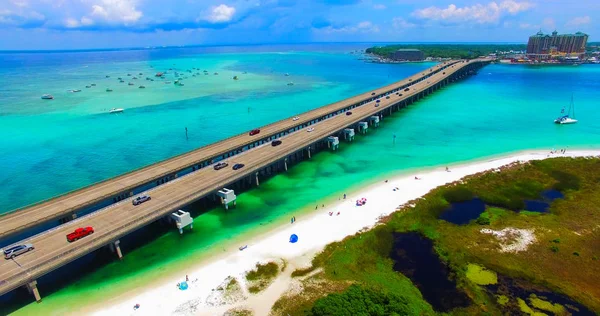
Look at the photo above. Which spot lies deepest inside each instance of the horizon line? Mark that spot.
(244, 44)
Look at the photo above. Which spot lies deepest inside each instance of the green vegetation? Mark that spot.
(528, 310)
(238, 312)
(464, 51)
(538, 303)
(359, 268)
(360, 301)
(502, 299)
(302, 272)
(479, 275)
(262, 276)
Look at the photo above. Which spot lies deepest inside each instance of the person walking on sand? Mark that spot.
(344, 196)
(187, 279)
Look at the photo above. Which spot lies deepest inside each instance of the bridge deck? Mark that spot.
(52, 249)
(64, 205)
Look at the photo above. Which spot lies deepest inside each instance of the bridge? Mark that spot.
(184, 179)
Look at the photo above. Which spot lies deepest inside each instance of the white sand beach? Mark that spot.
(314, 231)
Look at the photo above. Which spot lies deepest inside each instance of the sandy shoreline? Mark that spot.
(314, 230)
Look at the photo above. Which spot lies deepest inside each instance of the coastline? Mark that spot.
(315, 228)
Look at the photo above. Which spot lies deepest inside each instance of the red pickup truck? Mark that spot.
(80, 233)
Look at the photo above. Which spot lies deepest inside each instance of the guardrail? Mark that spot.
(106, 238)
(388, 87)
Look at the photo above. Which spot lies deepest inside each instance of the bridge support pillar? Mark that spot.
(256, 175)
(308, 149)
(285, 164)
(130, 193)
(115, 247)
(32, 288)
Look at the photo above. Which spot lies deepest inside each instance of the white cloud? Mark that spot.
(20, 3)
(478, 13)
(361, 27)
(580, 20)
(379, 6)
(221, 13)
(116, 11)
(400, 23)
(74, 23)
(514, 7)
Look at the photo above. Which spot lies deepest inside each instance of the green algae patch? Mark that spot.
(528, 310)
(556, 308)
(502, 299)
(481, 276)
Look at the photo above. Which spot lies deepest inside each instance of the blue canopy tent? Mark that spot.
(183, 286)
(294, 238)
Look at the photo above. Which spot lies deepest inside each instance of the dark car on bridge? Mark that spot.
(406, 89)
(80, 233)
(140, 199)
(372, 93)
(348, 113)
(238, 166)
(220, 165)
(254, 132)
(276, 143)
(10, 253)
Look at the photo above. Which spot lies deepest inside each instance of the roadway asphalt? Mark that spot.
(52, 249)
(64, 205)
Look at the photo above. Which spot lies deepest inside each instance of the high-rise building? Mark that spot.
(556, 46)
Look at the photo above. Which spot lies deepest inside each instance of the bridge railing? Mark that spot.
(31, 273)
(172, 158)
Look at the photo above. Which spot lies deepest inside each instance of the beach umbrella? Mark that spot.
(293, 238)
(183, 286)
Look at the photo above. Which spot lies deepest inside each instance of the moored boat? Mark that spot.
(567, 118)
(47, 97)
(115, 110)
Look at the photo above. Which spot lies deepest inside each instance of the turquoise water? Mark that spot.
(504, 108)
(51, 147)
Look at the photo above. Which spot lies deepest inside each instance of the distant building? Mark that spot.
(408, 55)
(556, 46)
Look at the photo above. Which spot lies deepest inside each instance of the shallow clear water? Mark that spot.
(55, 146)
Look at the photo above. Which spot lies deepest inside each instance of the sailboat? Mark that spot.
(567, 119)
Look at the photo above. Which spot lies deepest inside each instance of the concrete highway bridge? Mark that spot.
(187, 178)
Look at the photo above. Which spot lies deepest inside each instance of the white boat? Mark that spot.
(47, 97)
(567, 118)
(115, 110)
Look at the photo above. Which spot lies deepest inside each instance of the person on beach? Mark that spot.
(386, 181)
(344, 196)
(187, 279)
(323, 205)
(316, 207)
(447, 170)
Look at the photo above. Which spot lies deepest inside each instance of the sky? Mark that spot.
(83, 24)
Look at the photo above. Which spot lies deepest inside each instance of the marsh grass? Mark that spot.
(262, 276)
(572, 222)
